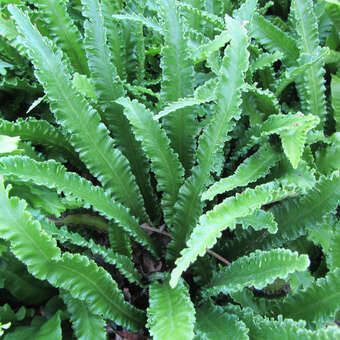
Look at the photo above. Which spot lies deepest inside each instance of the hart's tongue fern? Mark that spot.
(160, 130)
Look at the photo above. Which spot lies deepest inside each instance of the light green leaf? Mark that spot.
(258, 269)
(171, 314)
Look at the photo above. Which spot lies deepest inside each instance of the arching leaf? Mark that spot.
(54, 175)
(258, 269)
(165, 163)
(89, 136)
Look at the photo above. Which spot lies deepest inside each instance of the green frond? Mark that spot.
(109, 87)
(311, 88)
(295, 216)
(171, 314)
(266, 101)
(335, 89)
(224, 215)
(294, 73)
(85, 324)
(256, 270)
(205, 16)
(63, 31)
(265, 60)
(260, 219)
(177, 82)
(89, 136)
(254, 167)
(165, 163)
(124, 265)
(261, 328)
(317, 304)
(231, 81)
(203, 52)
(212, 323)
(274, 39)
(203, 94)
(322, 234)
(28, 242)
(292, 129)
(180, 104)
(148, 22)
(38, 132)
(293, 140)
(54, 175)
(85, 281)
(75, 273)
(120, 241)
(115, 35)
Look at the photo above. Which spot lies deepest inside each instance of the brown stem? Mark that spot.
(210, 252)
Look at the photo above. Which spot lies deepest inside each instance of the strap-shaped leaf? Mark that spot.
(292, 129)
(35, 131)
(258, 269)
(211, 224)
(202, 94)
(231, 79)
(312, 93)
(293, 140)
(28, 242)
(89, 136)
(204, 51)
(54, 175)
(38, 132)
(212, 323)
(335, 89)
(85, 281)
(177, 82)
(265, 60)
(85, 324)
(148, 22)
(165, 163)
(204, 15)
(261, 328)
(55, 16)
(273, 39)
(115, 35)
(109, 87)
(293, 73)
(81, 277)
(254, 167)
(123, 263)
(297, 215)
(316, 304)
(171, 314)
(266, 100)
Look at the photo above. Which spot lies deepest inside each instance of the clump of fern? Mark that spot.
(170, 168)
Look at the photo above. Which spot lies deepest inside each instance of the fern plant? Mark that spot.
(170, 169)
